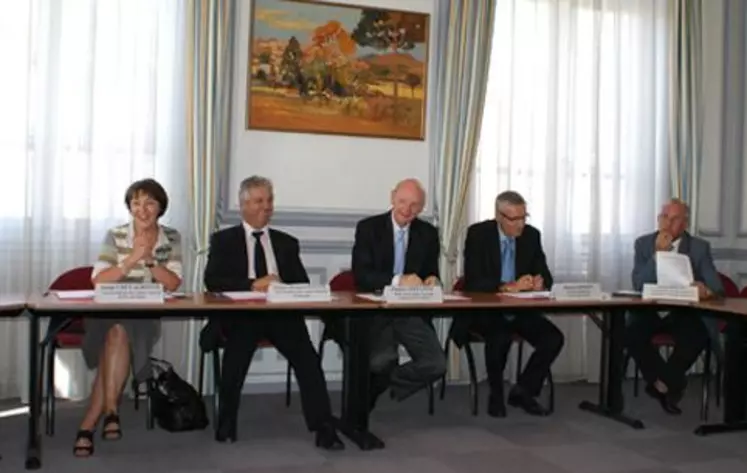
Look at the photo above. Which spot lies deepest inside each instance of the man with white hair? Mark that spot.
(666, 379)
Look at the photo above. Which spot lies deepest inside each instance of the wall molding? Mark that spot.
(313, 218)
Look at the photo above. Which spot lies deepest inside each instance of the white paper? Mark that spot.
(528, 295)
(673, 269)
(377, 298)
(245, 295)
(88, 294)
(85, 294)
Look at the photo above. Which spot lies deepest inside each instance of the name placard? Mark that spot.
(577, 292)
(298, 293)
(413, 294)
(654, 292)
(126, 293)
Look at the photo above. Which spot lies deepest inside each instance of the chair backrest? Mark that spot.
(743, 292)
(344, 281)
(459, 284)
(77, 279)
(730, 287)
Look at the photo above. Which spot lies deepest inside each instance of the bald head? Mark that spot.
(408, 200)
(674, 218)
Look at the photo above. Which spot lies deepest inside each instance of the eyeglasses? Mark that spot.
(520, 218)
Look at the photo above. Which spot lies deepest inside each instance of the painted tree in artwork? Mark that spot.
(290, 66)
(390, 31)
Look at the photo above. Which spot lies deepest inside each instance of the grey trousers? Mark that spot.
(427, 359)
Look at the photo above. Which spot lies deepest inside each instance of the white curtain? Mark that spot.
(576, 121)
(91, 99)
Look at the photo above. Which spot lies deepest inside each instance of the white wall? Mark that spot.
(307, 169)
(323, 183)
(722, 206)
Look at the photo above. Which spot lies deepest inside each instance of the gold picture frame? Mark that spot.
(329, 68)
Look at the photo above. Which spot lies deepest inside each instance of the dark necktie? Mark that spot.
(260, 262)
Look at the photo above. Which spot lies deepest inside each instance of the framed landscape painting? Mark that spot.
(318, 67)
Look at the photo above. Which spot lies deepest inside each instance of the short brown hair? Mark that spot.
(152, 189)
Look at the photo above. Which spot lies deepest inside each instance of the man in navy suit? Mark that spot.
(250, 256)
(504, 255)
(666, 379)
(397, 248)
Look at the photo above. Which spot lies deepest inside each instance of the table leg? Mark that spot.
(610, 404)
(354, 419)
(735, 381)
(33, 442)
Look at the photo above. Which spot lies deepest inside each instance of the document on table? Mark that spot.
(89, 293)
(380, 298)
(673, 269)
(245, 295)
(528, 295)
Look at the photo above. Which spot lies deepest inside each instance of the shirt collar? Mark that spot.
(396, 226)
(249, 229)
(503, 235)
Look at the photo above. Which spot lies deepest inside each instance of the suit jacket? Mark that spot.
(701, 260)
(373, 252)
(228, 260)
(228, 269)
(483, 265)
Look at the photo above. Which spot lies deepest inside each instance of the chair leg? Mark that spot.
(719, 381)
(551, 385)
(201, 375)
(704, 401)
(288, 374)
(149, 421)
(216, 387)
(442, 394)
(519, 358)
(636, 375)
(473, 391)
(136, 392)
(431, 395)
(49, 399)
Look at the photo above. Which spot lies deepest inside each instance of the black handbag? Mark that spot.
(176, 405)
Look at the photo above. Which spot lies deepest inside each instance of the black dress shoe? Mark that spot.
(528, 403)
(667, 401)
(326, 438)
(496, 407)
(226, 432)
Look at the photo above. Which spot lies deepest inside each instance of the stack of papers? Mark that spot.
(88, 294)
(528, 295)
(245, 295)
(673, 269)
(380, 298)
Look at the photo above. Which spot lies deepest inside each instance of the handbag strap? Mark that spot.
(161, 365)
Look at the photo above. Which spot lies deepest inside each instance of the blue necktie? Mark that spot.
(399, 253)
(508, 268)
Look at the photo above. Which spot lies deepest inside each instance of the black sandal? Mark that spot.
(111, 433)
(83, 451)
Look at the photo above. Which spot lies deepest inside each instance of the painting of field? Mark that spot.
(336, 69)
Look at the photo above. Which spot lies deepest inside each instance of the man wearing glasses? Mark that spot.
(505, 256)
(665, 380)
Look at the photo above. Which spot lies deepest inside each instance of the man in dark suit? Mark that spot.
(251, 256)
(505, 256)
(397, 248)
(665, 380)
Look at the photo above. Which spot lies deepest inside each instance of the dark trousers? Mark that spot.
(498, 332)
(690, 338)
(291, 338)
(417, 335)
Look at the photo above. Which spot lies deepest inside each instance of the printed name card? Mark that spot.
(653, 292)
(413, 295)
(123, 293)
(298, 293)
(577, 292)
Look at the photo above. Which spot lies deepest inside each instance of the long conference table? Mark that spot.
(355, 312)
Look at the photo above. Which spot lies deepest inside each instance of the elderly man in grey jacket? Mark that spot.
(666, 379)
